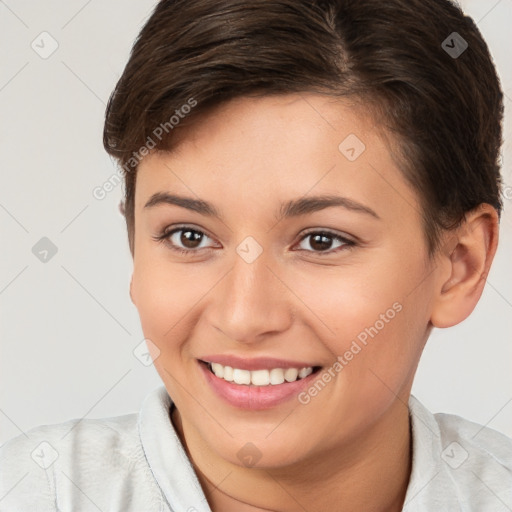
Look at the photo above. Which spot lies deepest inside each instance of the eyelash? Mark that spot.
(166, 234)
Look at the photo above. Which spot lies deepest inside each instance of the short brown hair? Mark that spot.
(444, 109)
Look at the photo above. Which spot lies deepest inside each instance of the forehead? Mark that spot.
(256, 150)
(304, 118)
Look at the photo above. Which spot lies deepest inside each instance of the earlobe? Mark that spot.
(466, 266)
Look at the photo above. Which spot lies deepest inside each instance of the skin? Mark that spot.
(247, 157)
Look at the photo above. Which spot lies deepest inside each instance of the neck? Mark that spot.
(370, 472)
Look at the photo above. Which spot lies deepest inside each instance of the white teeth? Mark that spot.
(290, 374)
(218, 369)
(276, 376)
(260, 377)
(228, 373)
(241, 376)
(305, 372)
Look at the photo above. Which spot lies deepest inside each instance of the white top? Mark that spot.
(137, 463)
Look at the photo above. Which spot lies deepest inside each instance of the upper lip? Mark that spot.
(255, 363)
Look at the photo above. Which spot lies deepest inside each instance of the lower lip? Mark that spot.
(255, 397)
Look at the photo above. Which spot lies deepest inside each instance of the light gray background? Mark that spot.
(68, 327)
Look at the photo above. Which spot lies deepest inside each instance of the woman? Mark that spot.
(310, 188)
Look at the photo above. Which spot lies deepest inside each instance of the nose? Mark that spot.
(251, 302)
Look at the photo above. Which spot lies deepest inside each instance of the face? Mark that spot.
(275, 279)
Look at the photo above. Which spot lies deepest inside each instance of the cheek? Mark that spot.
(372, 316)
(164, 296)
(345, 300)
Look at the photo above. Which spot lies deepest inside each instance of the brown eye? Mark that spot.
(321, 242)
(184, 239)
(190, 238)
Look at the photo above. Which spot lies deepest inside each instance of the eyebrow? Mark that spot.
(292, 208)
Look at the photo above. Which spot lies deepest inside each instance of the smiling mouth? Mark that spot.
(272, 377)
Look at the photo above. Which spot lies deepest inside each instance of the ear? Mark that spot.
(464, 263)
